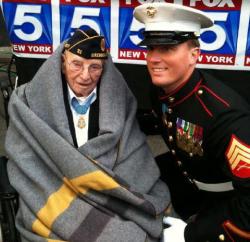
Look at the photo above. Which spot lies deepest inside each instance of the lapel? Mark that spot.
(94, 118)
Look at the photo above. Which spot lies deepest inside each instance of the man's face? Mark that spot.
(171, 65)
(81, 74)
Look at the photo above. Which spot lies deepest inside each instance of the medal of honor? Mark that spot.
(82, 109)
(81, 122)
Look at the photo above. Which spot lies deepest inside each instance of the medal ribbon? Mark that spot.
(83, 108)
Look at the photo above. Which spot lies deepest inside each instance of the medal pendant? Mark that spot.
(81, 122)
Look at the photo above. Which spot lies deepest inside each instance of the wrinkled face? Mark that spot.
(171, 65)
(81, 74)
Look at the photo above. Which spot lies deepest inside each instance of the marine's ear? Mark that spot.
(195, 53)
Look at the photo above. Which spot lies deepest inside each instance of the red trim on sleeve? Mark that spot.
(230, 227)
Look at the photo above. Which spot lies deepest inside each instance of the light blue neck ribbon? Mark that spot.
(83, 108)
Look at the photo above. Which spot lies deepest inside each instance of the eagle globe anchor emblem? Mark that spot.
(151, 11)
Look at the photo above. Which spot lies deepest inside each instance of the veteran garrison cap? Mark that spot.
(87, 44)
(168, 23)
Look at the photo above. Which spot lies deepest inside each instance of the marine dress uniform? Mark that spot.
(206, 126)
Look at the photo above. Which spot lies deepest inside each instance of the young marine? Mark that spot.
(205, 125)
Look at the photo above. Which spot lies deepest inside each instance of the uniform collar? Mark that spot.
(182, 92)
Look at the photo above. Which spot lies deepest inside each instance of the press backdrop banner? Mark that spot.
(37, 27)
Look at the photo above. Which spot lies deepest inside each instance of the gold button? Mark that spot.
(221, 237)
(173, 152)
(170, 124)
(200, 92)
(191, 154)
(170, 110)
(171, 99)
(170, 138)
(179, 163)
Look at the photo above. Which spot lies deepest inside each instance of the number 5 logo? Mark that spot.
(218, 31)
(21, 17)
(136, 26)
(79, 19)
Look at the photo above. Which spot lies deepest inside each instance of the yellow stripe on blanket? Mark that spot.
(96, 180)
(55, 240)
(60, 200)
(56, 204)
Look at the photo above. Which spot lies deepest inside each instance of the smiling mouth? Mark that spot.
(158, 69)
(84, 84)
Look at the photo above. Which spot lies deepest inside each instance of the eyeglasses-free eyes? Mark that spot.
(77, 66)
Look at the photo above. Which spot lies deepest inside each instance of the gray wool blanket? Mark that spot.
(106, 190)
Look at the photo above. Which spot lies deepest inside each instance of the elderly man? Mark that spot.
(206, 127)
(77, 157)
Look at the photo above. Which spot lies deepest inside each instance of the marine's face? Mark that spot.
(82, 74)
(171, 65)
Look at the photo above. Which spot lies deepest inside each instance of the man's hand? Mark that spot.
(175, 233)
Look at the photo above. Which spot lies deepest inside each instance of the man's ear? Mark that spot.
(195, 53)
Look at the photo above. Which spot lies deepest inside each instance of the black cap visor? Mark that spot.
(165, 38)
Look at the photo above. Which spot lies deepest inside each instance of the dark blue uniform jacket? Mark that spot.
(206, 126)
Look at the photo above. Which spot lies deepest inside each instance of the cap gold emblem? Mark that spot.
(151, 11)
(67, 45)
(102, 45)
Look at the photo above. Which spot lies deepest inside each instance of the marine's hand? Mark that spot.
(176, 230)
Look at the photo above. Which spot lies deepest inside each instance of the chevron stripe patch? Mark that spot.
(238, 155)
